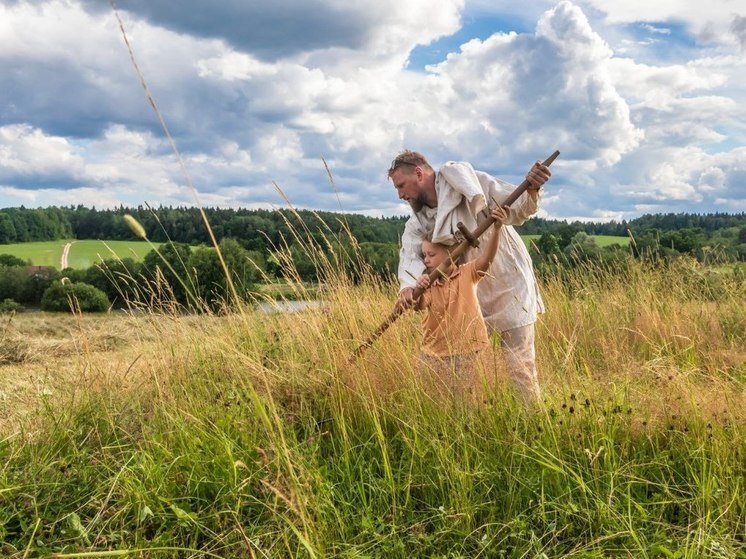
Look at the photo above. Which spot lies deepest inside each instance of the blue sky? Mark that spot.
(473, 26)
(644, 99)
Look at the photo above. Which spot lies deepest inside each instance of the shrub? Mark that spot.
(12, 282)
(13, 350)
(35, 285)
(10, 306)
(116, 278)
(76, 297)
(10, 261)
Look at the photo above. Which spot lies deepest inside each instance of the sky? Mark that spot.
(306, 102)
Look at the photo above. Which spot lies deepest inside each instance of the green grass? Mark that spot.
(83, 254)
(45, 253)
(601, 240)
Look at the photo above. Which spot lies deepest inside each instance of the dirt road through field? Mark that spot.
(65, 254)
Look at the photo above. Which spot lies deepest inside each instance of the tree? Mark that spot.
(35, 285)
(7, 229)
(245, 266)
(74, 297)
(170, 265)
(582, 248)
(10, 260)
(548, 244)
(209, 277)
(117, 278)
(12, 281)
(383, 258)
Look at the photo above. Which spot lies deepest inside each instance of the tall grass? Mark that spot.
(253, 435)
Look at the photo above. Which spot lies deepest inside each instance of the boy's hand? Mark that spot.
(500, 215)
(423, 281)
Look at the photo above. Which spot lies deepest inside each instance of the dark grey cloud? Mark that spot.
(36, 181)
(58, 97)
(269, 30)
(738, 27)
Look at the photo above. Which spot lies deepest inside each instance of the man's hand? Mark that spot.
(405, 298)
(537, 176)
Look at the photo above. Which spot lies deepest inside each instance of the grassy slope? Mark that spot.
(83, 254)
(601, 240)
(46, 253)
(249, 436)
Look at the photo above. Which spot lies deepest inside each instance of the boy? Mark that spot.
(454, 331)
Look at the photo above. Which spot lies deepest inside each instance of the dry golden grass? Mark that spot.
(55, 356)
(639, 337)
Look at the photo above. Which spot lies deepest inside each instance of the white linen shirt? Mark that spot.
(508, 295)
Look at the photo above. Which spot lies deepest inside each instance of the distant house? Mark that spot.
(44, 271)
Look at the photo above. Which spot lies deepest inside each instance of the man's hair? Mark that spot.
(409, 158)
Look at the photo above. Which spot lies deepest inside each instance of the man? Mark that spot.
(508, 296)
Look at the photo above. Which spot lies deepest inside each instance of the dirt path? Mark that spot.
(65, 254)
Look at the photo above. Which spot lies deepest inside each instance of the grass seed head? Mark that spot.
(135, 226)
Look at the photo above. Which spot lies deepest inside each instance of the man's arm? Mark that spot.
(496, 190)
(411, 265)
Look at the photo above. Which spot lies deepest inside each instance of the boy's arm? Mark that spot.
(483, 261)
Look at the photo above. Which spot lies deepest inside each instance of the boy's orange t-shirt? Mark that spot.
(453, 323)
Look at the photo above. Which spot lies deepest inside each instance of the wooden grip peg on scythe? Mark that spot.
(470, 239)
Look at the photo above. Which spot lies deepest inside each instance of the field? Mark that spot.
(601, 240)
(83, 254)
(253, 435)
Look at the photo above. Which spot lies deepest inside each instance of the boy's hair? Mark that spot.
(408, 158)
(429, 238)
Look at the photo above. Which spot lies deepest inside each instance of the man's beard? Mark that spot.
(416, 204)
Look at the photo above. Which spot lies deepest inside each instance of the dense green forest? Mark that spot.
(256, 229)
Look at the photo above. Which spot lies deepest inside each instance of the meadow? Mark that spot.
(255, 435)
(601, 240)
(83, 254)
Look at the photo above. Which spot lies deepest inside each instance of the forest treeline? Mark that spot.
(262, 229)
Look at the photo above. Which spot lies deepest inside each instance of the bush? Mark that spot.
(116, 278)
(35, 285)
(75, 297)
(10, 306)
(11, 261)
(12, 282)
